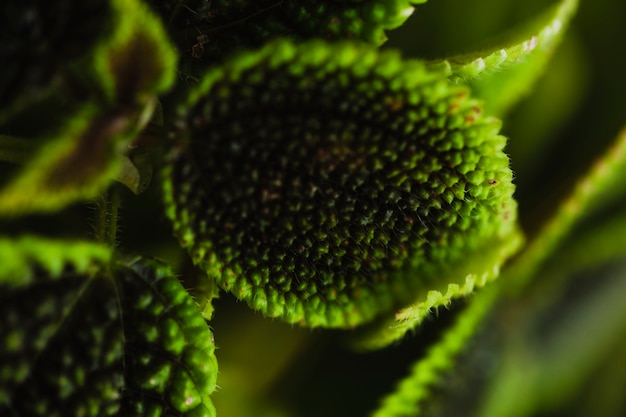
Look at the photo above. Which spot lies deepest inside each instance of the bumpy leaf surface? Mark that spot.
(82, 338)
(207, 31)
(437, 385)
(325, 184)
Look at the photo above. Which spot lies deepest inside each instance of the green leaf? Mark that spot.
(429, 379)
(503, 74)
(206, 32)
(598, 188)
(329, 186)
(137, 61)
(74, 164)
(170, 366)
(553, 276)
(48, 292)
(86, 335)
(128, 70)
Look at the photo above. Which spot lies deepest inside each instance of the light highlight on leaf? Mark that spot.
(502, 75)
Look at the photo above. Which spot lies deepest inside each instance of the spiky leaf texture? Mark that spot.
(325, 184)
(85, 335)
(207, 31)
(457, 368)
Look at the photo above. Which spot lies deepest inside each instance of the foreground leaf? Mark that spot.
(329, 186)
(87, 337)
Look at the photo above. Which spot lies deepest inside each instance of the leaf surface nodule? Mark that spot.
(327, 184)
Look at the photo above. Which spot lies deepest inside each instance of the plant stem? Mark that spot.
(107, 211)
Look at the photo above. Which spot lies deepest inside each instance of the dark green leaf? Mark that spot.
(326, 187)
(208, 31)
(83, 335)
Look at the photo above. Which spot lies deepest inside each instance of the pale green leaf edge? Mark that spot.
(553, 23)
(411, 392)
(29, 192)
(480, 269)
(17, 256)
(133, 18)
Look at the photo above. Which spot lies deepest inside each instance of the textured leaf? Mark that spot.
(326, 187)
(48, 368)
(81, 338)
(207, 31)
(502, 75)
(480, 268)
(170, 366)
(460, 355)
